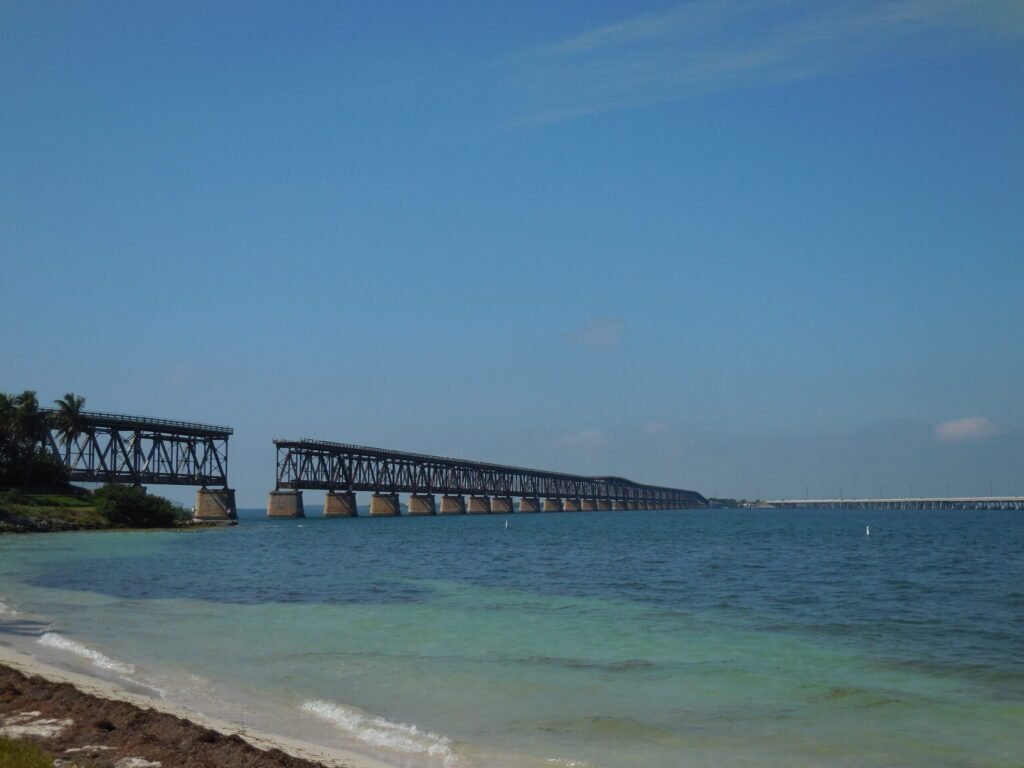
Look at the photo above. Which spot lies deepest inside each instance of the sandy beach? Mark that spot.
(75, 716)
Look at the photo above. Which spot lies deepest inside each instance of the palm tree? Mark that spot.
(68, 421)
(30, 427)
(23, 432)
(8, 441)
(29, 423)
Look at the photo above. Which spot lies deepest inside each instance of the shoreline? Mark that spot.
(27, 527)
(71, 508)
(276, 749)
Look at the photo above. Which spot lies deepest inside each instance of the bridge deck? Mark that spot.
(934, 502)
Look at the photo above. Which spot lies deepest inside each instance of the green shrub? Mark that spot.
(134, 508)
(21, 754)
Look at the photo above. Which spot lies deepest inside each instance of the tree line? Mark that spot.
(25, 459)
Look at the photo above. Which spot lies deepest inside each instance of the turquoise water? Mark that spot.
(618, 640)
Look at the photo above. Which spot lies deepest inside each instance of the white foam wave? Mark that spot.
(6, 610)
(379, 732)
(53, 640)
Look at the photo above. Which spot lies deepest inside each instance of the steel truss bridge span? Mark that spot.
(320, 465)
(136, 450)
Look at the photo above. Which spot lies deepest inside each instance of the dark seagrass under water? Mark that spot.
(615, 639)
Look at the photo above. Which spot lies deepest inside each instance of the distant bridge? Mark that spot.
(342, 469)
(137, 450)
(966, 503)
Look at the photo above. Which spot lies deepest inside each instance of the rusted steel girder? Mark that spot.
(317, 464)
(136, 450)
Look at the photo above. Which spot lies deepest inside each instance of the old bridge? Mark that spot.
(464, 486)
(137, 450)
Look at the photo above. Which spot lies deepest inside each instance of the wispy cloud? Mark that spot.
(714, 44)
(588, 439)
(967, 428)
(599, 332)
(656, 428)
(178, 375)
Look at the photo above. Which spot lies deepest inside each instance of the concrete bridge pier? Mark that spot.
(453, 505)
(529, 504)
(604, 504)
(620, 505)
(215, 505)
(588, 505)
(340, 504)
(286, 503)
(571, 505)
(552, 505)
(384, 505)
(502, 505)
(422, 504)
(479, 505)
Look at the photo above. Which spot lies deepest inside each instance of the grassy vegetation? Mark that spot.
(74, 510)
(50, 500)
(21, 754)
(109, 507)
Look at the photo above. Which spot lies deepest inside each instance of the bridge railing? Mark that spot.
(121, 421)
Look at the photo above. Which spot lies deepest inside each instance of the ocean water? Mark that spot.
(651, 639)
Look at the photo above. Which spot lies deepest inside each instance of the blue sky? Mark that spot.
(755, 248)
